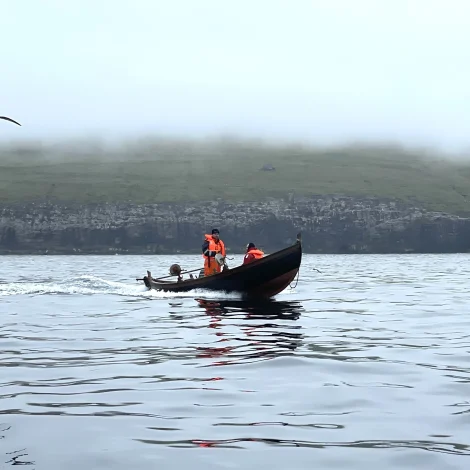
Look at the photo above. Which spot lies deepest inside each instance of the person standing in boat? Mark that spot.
(252, 253)
(210, 248)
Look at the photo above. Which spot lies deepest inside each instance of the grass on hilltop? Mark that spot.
(165, 171)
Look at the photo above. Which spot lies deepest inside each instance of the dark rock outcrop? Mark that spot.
(328, 225)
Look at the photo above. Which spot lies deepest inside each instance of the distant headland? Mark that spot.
(162, 195)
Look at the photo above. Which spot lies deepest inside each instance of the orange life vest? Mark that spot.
(256, 253)
(252, 255)
(213, 246)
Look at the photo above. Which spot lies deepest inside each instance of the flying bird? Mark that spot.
(9, 119)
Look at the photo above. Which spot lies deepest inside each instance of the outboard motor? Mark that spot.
(175, 270)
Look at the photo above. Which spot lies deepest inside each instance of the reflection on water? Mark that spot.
(434, 446)
(364, 364)
(258, 339)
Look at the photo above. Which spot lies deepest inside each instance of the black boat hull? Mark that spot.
(263, 278)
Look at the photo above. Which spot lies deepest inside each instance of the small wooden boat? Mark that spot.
(262, 278)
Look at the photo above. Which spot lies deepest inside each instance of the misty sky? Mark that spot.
(317, 70)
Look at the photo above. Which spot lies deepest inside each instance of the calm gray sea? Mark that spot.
(365, 365)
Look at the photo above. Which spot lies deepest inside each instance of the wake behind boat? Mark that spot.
(263, 278)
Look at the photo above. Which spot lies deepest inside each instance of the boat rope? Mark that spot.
(296, 281)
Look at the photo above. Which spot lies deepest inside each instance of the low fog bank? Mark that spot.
(154, 147)
(156, 169)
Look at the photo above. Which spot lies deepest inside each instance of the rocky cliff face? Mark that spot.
(328, 225)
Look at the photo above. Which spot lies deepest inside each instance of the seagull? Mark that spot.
(9, 119)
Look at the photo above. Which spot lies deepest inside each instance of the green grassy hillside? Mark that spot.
(187, 171)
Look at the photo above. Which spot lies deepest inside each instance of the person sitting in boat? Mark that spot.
(212, 246)
(252, 253)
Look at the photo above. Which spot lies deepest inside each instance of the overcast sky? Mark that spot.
(317, 70)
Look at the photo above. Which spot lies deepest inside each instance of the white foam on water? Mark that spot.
(93, 285)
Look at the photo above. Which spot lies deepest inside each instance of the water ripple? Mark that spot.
(432, 446)
(371, 354)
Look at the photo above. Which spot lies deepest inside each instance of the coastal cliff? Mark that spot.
(333, 224)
